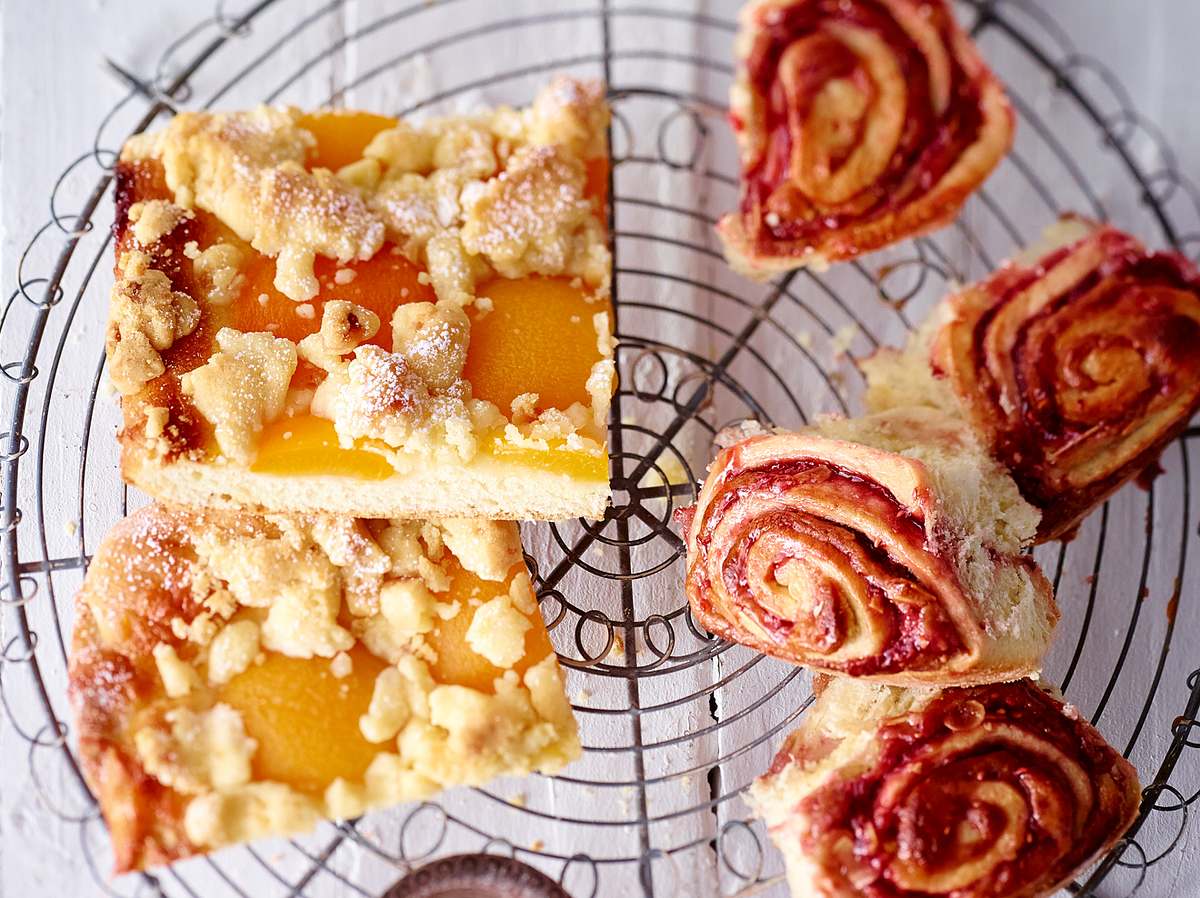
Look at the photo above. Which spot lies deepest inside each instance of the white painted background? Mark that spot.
(54, 93)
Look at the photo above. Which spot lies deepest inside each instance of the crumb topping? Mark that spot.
(218, 270)
(178, 677)
(414, 398)
(200, 630)
(571, 114)
(300, 571)
(552, 429)
(433, 338)
(241, 388)
(601, 384)
(407, 606)
(528, 218)
(488, 549)
(384, 396)
(313, 212)
(389, 709)
(341, 666)
(250, 812)
(293, 579)
(496, 192)
(453, 271)
(403, 149)
(154, 219)
(197, 751)
(232, 650)
(146, 317)
(401, 542)
(361, 563)
(345, 325)
(156, 424)
(497, 632)
(602, 381)
(414, 208)
(363, 174)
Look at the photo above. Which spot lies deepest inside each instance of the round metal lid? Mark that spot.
(476, 876)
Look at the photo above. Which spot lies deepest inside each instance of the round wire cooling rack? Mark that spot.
(675, 722)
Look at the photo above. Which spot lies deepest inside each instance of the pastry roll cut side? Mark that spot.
(859, 123)
(1074, 364)
(236, 677)
(885, 547)
(998, 790)
(341, 312)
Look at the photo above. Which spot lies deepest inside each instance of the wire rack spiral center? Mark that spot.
(675, 722)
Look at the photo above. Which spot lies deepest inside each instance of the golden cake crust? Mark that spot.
(420, 643)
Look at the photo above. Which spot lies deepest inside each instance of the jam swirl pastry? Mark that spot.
(885, 547)
(859, 123)
(998, 790)
(1075, 364)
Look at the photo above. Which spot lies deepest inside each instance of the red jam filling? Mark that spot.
(924, 805)
(928, 147)
(1148, 355)
(919, 634)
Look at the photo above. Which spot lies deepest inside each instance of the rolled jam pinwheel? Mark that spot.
(885, 547)
(859, 123)
(998, 790)
(1074, 364)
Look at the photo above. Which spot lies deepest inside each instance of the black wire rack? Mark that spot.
(675, 722)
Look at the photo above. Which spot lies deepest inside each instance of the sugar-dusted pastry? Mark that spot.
(999, 791)
(236, 676)
(885, 547)
(346, 313)
(1075, 363)
(859, 123)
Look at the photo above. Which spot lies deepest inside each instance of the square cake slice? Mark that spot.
(347, 313)
(236, 676)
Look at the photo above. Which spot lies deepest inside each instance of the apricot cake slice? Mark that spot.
(347, 313)
(236, 676)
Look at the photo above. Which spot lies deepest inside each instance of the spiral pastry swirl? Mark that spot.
(994, 790)
(860, 123)
(843, 557)
(1077, 368)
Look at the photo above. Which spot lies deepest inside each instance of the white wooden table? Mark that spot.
(55, 91)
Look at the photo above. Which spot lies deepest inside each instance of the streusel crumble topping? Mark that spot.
(363, 612)
(468, 200)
